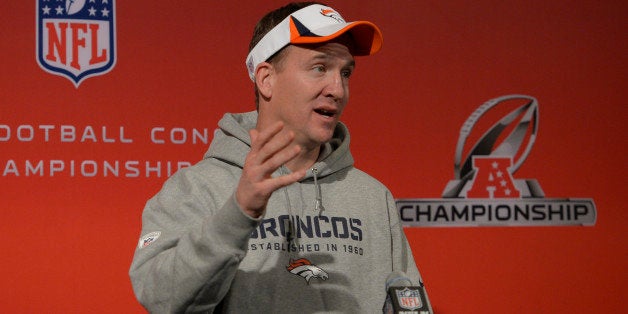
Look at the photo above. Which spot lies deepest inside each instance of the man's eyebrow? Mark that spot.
(325, 56)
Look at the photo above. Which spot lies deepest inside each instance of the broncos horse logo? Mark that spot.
(328, 12)
(304, 268)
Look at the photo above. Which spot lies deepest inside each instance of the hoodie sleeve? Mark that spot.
(403, 259)
(190, 248)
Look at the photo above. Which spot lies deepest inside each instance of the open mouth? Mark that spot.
(323, 112)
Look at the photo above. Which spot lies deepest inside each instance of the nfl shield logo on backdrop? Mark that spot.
(76, 38)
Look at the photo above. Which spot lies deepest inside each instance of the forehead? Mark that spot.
(333, 50)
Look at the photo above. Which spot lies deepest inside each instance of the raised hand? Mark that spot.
(270, 149)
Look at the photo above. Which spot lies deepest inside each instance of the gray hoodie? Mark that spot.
(325, 244)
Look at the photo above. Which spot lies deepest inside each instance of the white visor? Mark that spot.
(314, 24)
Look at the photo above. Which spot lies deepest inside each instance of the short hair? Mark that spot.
(268, 22)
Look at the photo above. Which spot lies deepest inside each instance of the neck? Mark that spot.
(305, 159)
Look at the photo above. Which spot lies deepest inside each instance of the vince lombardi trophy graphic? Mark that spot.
(522, 122)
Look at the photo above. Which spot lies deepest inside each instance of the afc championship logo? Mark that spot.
(76, 38)
(484, 191)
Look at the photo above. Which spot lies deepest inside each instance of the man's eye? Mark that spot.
(320, 68)
(346, 73)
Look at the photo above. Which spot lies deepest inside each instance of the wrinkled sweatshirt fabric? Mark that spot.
(324, 245)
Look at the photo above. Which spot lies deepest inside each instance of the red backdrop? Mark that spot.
(67, 238)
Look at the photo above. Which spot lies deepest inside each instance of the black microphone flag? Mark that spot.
(403, 297)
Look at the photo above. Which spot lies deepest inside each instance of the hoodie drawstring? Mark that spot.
(291, 236)
(318, 203)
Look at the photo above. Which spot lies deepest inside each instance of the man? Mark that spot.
(276, 218)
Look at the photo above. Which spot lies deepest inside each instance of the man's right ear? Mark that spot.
(264, 74)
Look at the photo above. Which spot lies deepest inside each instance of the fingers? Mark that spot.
(259, 139)
(290, 178)
(253, 195)
(266, 144)
(270, 149)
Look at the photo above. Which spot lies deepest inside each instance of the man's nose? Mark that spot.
(337, 86)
